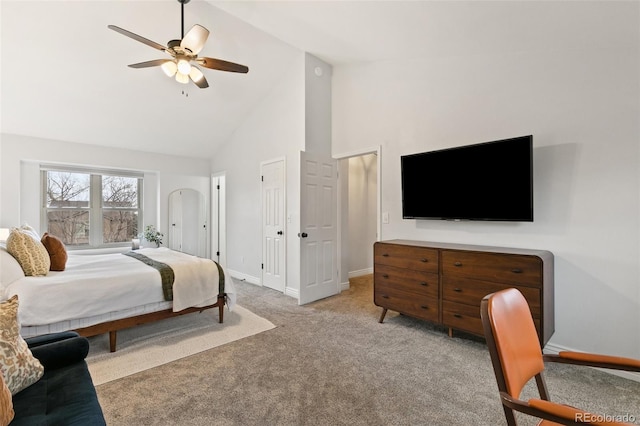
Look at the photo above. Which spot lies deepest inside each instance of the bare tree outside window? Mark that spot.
(119, 196)
(68, 197)
(69, 206)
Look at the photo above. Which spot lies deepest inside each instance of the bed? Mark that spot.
(104, 293)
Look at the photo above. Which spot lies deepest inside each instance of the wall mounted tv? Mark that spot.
(485, 181)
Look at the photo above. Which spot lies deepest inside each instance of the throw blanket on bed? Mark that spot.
(196, 278)
(166, 273)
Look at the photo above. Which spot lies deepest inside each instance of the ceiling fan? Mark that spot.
(184, 55)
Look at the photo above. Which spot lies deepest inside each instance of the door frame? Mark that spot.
(284, 219)
(218, 218)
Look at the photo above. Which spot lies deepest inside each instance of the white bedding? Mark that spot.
(93, 285)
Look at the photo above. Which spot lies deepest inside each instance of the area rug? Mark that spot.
(150, 345)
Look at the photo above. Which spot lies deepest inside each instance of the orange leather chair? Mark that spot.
(517, 358)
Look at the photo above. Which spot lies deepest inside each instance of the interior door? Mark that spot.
(273, 225)
(319, 230)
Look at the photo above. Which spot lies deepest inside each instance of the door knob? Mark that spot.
(303, 235)
(280, 232)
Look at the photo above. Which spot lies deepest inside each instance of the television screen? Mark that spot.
(486, 181)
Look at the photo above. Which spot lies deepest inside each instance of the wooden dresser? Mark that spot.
(444, 283)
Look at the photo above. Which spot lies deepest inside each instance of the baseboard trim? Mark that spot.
(361, 272)
(344, 286)
(244, 277)
(293, 292)
(554, 349)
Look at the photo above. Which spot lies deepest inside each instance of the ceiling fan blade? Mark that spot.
(195, 39)
(137, 37)
(198, 78)
(147, 64)
(219, 64)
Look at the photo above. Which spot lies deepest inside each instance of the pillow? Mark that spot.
(6, 404)
(30, 231)
(10, 269)
(29, 252)
(57, 251)
(17, 364)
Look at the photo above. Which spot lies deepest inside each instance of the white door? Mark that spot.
(319, 230)
(273, 225)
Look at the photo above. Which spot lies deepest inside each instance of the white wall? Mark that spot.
(274, 129)
(19, 175)
(581, 105)
(317, 105)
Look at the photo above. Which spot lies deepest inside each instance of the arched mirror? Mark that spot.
(187, 222)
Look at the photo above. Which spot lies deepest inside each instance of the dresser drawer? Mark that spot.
(470, 292)
(462, 317)
(514, 270)
(401, 256)
(467, 318)
(419, 282)
(425, 308)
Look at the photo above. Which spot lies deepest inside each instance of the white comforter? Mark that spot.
(97, 284)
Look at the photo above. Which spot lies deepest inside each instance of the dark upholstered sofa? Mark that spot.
(65, 394)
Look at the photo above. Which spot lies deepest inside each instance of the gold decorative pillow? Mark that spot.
(6, 404)
(29, 230)
(30, 253)
(57, 252)
(17, 364)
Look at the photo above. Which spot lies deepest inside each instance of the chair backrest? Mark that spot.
(512, 339)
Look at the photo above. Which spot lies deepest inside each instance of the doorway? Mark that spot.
(359, 210)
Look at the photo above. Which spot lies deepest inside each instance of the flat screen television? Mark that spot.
(486, 181)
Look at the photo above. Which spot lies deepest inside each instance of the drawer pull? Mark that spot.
(385, 254)
(457, 264)
(457, 290)
(516, 271)
(385, 275)
(426, 308)
(457, 315)
(423, 260)
(423, 283)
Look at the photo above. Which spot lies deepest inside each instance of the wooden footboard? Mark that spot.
(112, 327)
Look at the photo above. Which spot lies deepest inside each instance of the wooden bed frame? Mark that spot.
(112, 327)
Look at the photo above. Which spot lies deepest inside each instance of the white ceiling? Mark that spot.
(64, 74)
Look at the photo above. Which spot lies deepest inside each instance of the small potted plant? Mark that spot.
(152, 235)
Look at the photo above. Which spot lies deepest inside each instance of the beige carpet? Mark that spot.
(330, 363)
(150, 345)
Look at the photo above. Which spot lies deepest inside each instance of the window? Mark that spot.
(91, 208)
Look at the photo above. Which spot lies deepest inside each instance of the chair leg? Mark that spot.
(511, 418)
(542, 387)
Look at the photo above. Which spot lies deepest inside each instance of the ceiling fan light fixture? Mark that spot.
(182, 52)
(195, 74)
(170, 68)
(184, 66)
(182, 78)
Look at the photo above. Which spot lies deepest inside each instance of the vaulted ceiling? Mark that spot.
(64, 75)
